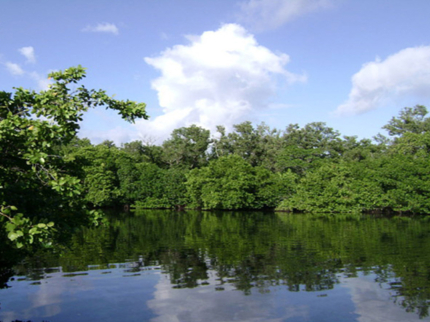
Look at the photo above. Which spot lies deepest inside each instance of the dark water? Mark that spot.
(232, 266)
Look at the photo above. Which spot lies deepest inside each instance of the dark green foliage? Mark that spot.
(367, 177)
(174, 186)
(226, 183)
(232, 183)
(405, 180)
(150, 188)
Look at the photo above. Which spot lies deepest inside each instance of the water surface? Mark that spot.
(230, 266)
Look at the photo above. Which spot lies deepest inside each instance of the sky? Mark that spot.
(351, 64)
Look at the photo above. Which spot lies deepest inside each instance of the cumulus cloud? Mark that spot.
(14, 69)
(28, 53)
(271, 14)
(102, 27)
(220, 77)
(404, 74)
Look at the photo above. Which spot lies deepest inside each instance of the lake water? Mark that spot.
(230, 266)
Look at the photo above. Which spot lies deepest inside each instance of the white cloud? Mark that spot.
(271, 14)
(220, 77)
(404, 74)
(103, 27)
(14, 69)
(28, 53)
(41, 81)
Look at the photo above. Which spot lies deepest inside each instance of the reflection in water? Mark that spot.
(231, 266)
(373, 301)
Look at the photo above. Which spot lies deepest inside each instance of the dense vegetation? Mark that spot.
(51, 181)
(305, 169)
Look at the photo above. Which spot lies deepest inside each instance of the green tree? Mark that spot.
(100, 167)
(187, 147)
(410, 119)
(415, 144)
(36, 187)
(336, 187)
(405, 181)
(150, 186)
(144, 152)
(257, 145)
(305, 148)
(230, 182)
(314, 135)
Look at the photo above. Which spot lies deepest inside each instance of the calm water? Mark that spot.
(232, 266)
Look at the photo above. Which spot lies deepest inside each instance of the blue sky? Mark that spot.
(352, 64)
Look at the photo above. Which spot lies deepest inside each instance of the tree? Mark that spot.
(98, 168)
(37, 190)
(336, 187)
(187, 147)
(314, 135)
(258, 145)
(410, 120)
(230, 182)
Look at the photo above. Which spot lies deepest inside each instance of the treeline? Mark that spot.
(305, 169)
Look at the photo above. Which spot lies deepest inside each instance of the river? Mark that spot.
(229, 266)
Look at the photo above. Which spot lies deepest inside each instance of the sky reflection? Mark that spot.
(148, 294)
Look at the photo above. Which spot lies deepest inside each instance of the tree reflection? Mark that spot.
(256, 251)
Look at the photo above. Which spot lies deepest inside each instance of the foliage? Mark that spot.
(405, 180)
(335, 187)
(36, 187)
(99, 170)
(258, 145)
(410, 120)
(231, 183)
(187, 147)
(307, 169)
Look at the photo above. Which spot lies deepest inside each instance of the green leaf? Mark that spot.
(14, 235)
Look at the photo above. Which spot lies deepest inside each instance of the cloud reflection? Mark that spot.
(371, 301)
(205, 303)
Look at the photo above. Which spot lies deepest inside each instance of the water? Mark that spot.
(230, 266)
